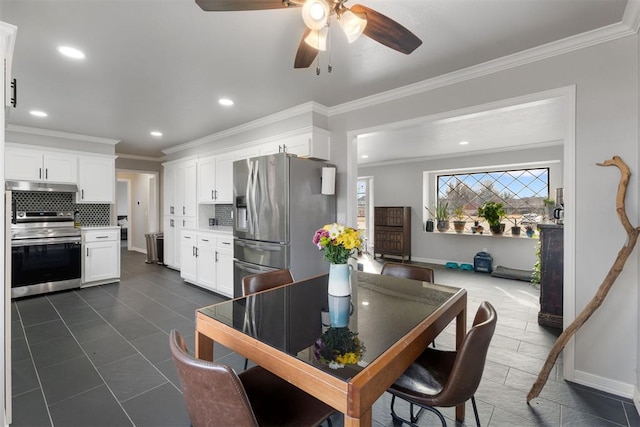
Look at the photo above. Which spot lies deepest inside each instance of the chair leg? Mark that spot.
(414, 419)
(475, 410)
(246, 363)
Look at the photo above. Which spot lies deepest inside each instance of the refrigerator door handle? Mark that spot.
(254, 211)
(248, 198)
(249, 269)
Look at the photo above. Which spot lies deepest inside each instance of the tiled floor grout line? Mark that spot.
(132, 345)
(35, 368)
(104, 382)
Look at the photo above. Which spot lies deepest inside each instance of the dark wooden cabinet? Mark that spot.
(551, 274)
(392, 231)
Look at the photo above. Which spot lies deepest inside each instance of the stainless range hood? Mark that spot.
(40, 186)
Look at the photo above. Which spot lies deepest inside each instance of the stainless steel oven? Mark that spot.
(46, 253)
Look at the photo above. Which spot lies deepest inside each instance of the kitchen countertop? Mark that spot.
(100, 227)
(215, 229)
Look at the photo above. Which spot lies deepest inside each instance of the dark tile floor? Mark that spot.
(99, 356)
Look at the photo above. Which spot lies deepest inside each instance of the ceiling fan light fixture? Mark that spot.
(353, 24)
(315, 14)
(317, 39)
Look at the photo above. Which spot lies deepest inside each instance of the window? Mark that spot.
(522, 192)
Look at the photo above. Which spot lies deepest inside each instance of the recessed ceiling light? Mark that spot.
(464, 142)
(71, 52)
(225, 101)
(365, 156)
(38, 113)
(155, 133)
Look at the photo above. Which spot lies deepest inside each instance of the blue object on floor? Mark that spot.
(466, 267)
(483, 262)
(453, 265)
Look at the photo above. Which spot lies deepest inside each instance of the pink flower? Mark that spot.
(317, 237)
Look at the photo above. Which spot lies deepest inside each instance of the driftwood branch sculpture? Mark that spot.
(603, 290)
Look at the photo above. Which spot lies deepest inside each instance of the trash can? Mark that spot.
(152, 248)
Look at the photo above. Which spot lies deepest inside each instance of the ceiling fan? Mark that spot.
(354, 21)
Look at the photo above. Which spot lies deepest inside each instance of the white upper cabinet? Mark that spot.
(206, 180)
(180, 182)
(38, 166)
(224, 178)
(215, 179)
(96, 179)
(190, 204)
(313, 142)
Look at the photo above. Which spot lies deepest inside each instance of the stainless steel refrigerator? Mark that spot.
(278, 205)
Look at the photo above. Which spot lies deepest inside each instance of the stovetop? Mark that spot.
(43, 224)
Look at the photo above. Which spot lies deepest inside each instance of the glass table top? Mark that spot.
(289, 318)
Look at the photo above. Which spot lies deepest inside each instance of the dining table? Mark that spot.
(394, 319)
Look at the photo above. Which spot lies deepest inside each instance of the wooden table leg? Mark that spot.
(461, 331)
(365, 419)
(204, 347)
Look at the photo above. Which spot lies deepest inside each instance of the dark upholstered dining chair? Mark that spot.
(267, 280)
(257, 283)
(408, 271)
(447, 378)
(216, 396)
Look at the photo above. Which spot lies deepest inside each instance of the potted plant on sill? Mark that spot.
(529, 230)
(459, 222)
(493, 213)
(442, 216)
(515, 230)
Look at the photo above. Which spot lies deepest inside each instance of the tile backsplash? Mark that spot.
(88, 213)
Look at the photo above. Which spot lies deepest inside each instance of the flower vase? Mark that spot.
(339, 280)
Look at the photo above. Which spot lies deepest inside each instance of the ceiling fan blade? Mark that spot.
(232, 5)
(306, 54)
(387, 31)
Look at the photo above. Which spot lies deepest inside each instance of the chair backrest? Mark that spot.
(212, 392)
(267, 280)
(408, 271)
(469, 362)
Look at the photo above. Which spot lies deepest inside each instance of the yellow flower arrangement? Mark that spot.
(337, 241)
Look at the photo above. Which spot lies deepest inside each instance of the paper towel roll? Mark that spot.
(328, 180)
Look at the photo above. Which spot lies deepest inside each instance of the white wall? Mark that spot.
(606, 81)
(122, 198)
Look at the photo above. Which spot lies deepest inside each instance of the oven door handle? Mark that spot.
(44, 241)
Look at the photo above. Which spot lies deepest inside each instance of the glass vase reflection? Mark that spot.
(340, 308)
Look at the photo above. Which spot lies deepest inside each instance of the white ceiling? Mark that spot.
(162, 65)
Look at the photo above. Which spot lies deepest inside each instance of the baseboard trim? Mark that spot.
(142, 251)
(608, 385)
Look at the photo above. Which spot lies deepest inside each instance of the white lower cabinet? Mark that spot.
(100, 255)
(207, 260)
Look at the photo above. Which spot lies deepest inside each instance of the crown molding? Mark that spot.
(631, 17)
(308, 107)
(143, 158)
(629, 26)
(63, 135)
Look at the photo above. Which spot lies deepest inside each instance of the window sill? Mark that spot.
(495, 236)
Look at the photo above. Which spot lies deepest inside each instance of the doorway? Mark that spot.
(364, 195)
(140, 195)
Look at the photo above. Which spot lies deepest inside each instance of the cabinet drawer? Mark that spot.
(101, 236)
(206, 240)
(225, 243)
